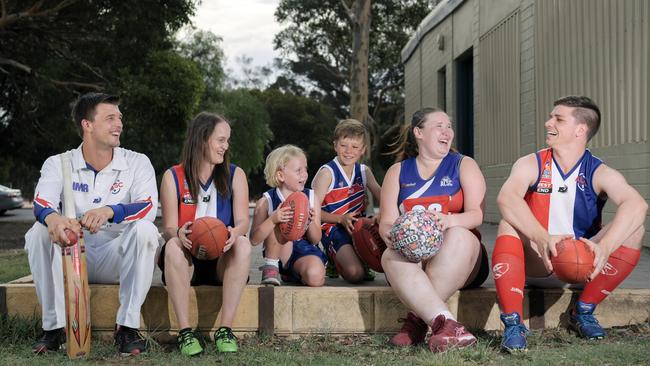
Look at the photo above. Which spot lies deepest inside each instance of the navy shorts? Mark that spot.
(301, 248)
(337, 238)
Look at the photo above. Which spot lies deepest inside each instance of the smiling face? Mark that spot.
(218, 143)
(349, 149)
(434, 135)
(106, 127)
(293, 175)
(563, 127)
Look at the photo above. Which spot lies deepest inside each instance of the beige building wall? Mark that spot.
(527, 53)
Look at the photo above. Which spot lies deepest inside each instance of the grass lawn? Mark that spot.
(623, 346)
(13, 264)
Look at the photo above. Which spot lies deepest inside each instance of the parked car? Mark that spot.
(10, 199)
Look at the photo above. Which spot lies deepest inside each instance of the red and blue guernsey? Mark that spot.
(209, 203)
(442, 192)
(344, 195)
(566, 203)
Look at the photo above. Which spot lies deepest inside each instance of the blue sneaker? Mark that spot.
(582, 320)
(514, 336)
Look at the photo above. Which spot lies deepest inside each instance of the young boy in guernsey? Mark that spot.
(340, 185)
(299, 261)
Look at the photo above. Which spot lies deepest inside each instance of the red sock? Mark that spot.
(508, 270)
(619, 265)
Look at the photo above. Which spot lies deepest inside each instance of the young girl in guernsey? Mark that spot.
(341, 186)
(302, 260)
(428, 175)
(205, 184)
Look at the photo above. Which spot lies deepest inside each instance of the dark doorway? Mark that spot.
(464, 124)
(442, 88)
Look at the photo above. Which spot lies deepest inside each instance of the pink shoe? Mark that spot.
(448, 333)
(414, 331)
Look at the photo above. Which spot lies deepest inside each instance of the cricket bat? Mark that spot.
(75, 277)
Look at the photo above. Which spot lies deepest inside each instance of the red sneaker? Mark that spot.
(413, 331)
(448, 334)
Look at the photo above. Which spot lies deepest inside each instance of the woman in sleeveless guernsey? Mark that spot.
(429, 176)
(205, 184)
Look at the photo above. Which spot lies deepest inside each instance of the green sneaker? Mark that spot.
(225, 340)
(369, 274)
(189, 343)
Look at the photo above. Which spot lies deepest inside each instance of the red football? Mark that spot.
(368, 243)
(295, 228)
(208, 238)
(574, 261)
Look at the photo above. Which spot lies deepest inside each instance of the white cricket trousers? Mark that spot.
(127, 260)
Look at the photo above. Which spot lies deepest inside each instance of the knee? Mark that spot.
(353, 273)
(146, 234)
(242, 248)
(460, 238)
(314, 276)
(174, 252)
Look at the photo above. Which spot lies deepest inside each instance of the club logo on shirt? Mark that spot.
(499, 270)
(546, 173)
(446, 182)
(97, 200)
(117, 187)
(406, 185)
(80, 187)
(581, 181)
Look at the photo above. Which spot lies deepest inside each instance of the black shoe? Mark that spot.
(51, 341)
(129, 341)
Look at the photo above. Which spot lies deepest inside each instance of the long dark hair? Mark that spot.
(405, 144)
(195, 150)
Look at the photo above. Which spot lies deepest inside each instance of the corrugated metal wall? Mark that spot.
(498, 128)
(598, 48)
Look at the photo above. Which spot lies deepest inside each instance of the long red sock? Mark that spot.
(508, 269)
(619, 265)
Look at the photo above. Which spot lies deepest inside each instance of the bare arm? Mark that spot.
(372, 185)
(511, 199)
(240, 203)
(314, 232)
(389, 211)
(263, 224)
(630, 213)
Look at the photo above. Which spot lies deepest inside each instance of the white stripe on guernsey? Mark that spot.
(270, 203)
(363, 175)
(562, 206)
(208, 208)
(422, 189)
(336, 161)
(360, 193)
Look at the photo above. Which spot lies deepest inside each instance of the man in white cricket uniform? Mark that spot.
(115, 200)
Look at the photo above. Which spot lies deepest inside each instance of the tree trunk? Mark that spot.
(359, 64)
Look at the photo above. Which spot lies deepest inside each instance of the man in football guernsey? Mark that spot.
(115, 199)
(559, 193)
(341, 185)
(428, 176)
(302, 260)
(205, 184)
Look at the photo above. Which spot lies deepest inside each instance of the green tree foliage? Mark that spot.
(299, 121)
(317, 42)
(157, 109)
(250, 128)
(52, 51)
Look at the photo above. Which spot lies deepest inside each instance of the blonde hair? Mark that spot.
(351, 128)
(278, 159)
